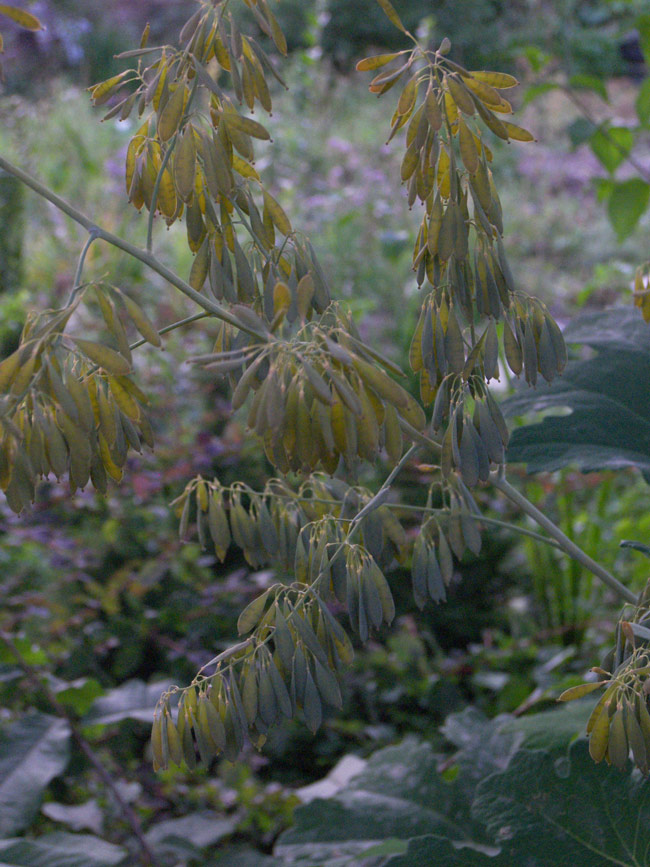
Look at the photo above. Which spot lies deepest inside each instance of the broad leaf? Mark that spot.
(61, 850)
(643, 102)
(591, 815)
(608, 398)
(184, 838)
(399, 795)
(33, 751)
(627, 203)
(612, 145)
(133, 700)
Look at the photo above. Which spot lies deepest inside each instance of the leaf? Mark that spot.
(609, 425)
(611, 145)
(379, 60)
(184, 838)
(391, 14)
(398, 795)
(33, 751)
(133, 700)
(589, 82)
(21, 17)
(61, 850)
(643, 103)
(82, 817)
(589, 815)
(628, 201)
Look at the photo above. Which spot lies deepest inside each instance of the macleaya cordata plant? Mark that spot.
(321, 399)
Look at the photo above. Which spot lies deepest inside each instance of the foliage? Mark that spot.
(605, 427)
(509, 795)
(328, 411)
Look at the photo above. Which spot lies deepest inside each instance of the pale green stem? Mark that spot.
(143, 256)
(564, 542)
(76, 285)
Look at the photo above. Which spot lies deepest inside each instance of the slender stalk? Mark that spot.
(92, 236)
(641, 170)
(62, 712)
(141, 255)
(563, 540)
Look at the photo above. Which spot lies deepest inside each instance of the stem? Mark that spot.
(141, 255)
(80, 267)
(564, 542)
(171, 327)
(87, 750)
(641, 170)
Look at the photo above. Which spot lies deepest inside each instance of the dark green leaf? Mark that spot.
(609, 422)
(61, 850)
(33, 751)
(133, 700)
(628, 201)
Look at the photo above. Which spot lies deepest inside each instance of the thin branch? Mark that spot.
(564, 542)
(76, 285)
(137, 253)
(579, 104)
(109, 782)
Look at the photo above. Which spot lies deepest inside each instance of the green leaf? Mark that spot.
(133, 700)
(33, 751)
(628, 201)
(61, 850)
(589, 82)
(643, 26)
(611, 145)
(80, 695)
(534, 91)
(643, 103)
(609, 422)
(590, 815)
(184, 838)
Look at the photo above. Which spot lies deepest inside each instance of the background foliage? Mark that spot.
(107, 607)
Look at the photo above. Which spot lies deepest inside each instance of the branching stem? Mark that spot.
(143, 256)
(563, 540)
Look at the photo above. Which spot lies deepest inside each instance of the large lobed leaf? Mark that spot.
(33, 751)
(608, 396)
(508, 804)
(61, 850)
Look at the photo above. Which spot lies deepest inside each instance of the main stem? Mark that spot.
(565, 543)
(141, 255)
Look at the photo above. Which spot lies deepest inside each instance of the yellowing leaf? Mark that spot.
(391, 14)
(376, 62)
(500, 80)
(517, 133)
(277, 214)
(22, 18)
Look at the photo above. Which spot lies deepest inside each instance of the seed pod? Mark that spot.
(283, 640)
(312, 704)
(159, 762)
(598, 742)
(218, 525)
(514, 354)
(636, 739)
(419, 567)
(279, 688)
(618, 748)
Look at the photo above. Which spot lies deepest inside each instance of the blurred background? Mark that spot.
(100, 593)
